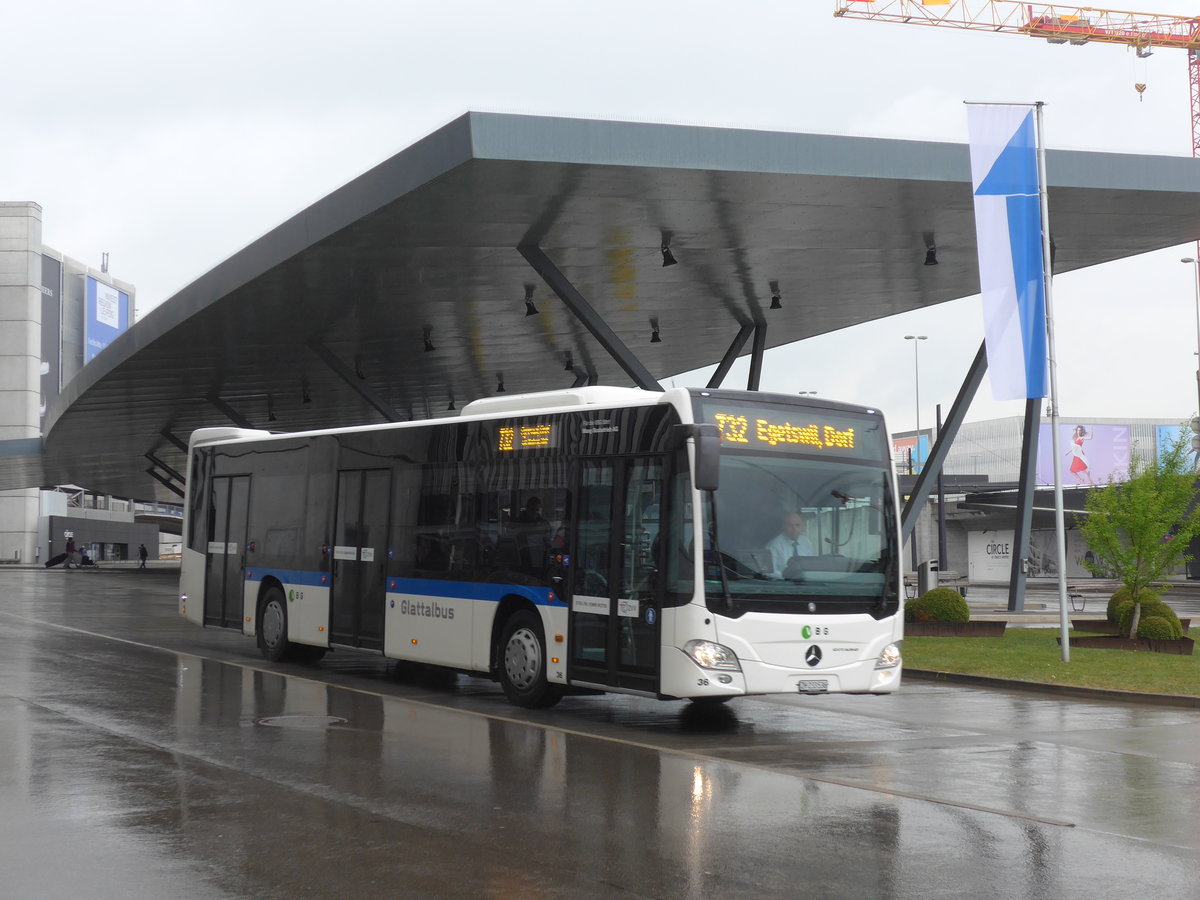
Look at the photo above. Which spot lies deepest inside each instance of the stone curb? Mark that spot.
(1068, 690)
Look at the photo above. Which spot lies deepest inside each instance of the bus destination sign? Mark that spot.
(762, 429)
(526, 437)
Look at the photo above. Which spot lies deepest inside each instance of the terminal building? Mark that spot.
(980, 489)
(56, 314)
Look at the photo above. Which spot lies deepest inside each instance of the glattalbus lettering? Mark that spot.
(430, 609)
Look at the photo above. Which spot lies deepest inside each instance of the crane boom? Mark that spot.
(1057, 23)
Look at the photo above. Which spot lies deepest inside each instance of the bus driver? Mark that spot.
(791, 541)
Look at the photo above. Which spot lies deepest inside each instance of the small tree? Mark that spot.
(1140, 528)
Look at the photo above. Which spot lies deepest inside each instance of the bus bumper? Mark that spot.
(682, 677)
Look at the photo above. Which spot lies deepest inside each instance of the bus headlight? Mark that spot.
(710, 655)
(889, 657)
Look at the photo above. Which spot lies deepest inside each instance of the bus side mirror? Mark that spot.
(708, 457)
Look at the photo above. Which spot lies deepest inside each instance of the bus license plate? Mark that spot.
(813, 687)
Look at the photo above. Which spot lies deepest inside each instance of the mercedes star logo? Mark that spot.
(812, 655)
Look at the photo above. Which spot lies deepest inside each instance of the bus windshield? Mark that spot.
(799, 523)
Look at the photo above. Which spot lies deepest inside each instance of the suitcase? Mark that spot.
(54, 561)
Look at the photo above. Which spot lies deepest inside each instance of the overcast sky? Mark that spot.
(172, 135)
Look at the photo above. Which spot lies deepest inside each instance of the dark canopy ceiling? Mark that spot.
(340, 299)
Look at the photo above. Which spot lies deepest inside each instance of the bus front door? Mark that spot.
(360, 558)
(224, 580)
(615, 603)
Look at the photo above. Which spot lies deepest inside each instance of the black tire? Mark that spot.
(522, 663)
(272, 625)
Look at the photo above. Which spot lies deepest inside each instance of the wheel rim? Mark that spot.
(272, 623)
(523, 658)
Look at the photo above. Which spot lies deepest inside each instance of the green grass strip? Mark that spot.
(1033, 655)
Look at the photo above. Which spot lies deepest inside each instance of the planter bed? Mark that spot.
(954, 629)
(1103, 626)
(1095, 626)
(1181, 647)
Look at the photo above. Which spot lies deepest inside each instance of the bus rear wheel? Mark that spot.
(523, 663)
(272, 625)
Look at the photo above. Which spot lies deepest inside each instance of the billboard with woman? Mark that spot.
(1088, 454)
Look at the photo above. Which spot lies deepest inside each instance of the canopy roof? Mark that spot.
(404, 290)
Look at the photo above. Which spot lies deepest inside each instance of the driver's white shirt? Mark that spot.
(783, 548)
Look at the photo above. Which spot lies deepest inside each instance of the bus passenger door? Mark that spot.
(227, 551)
(615, 603)
(360, 557)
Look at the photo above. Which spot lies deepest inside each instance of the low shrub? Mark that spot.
(1151, 609)
(942, 604)
(1121, 595)
(1156, 628)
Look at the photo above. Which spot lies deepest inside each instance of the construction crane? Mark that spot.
(1054, 22)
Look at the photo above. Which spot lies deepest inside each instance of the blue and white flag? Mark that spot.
(1008, 230)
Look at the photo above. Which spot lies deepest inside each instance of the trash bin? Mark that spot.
(927, 576)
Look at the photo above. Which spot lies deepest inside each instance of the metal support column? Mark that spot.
(731, 355)
(165, 482)
(358, 385)
(943, 555)
(937, 456)
(756, 356)
(176, 442)
(592, 321)
(162, 465)
(230, 413)
(1026, 486)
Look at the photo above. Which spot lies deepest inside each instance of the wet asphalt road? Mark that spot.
(143, 757)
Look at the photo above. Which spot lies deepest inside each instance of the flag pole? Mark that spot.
(1060, 532)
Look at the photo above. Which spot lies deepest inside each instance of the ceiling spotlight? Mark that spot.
(776, 296)
(428, 334)
(270, 408)
(499, 382)
(668, 257)
(530, 309)
(654, 336)
(569, 362)
(930, 248)
(450, 408)
(304, 395)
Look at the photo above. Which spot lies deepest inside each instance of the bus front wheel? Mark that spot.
(272, 625)
(523, 663)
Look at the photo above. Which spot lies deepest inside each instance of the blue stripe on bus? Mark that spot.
(289, 576)
(425, 587)
(469, 590)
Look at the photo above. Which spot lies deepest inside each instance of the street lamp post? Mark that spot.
(916, 339)
(1195, 264)
(914, 539)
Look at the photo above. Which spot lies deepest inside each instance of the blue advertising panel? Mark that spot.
(1167, 435)
(106, 315)
(910, 454)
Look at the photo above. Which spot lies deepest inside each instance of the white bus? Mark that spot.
(549, 540)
